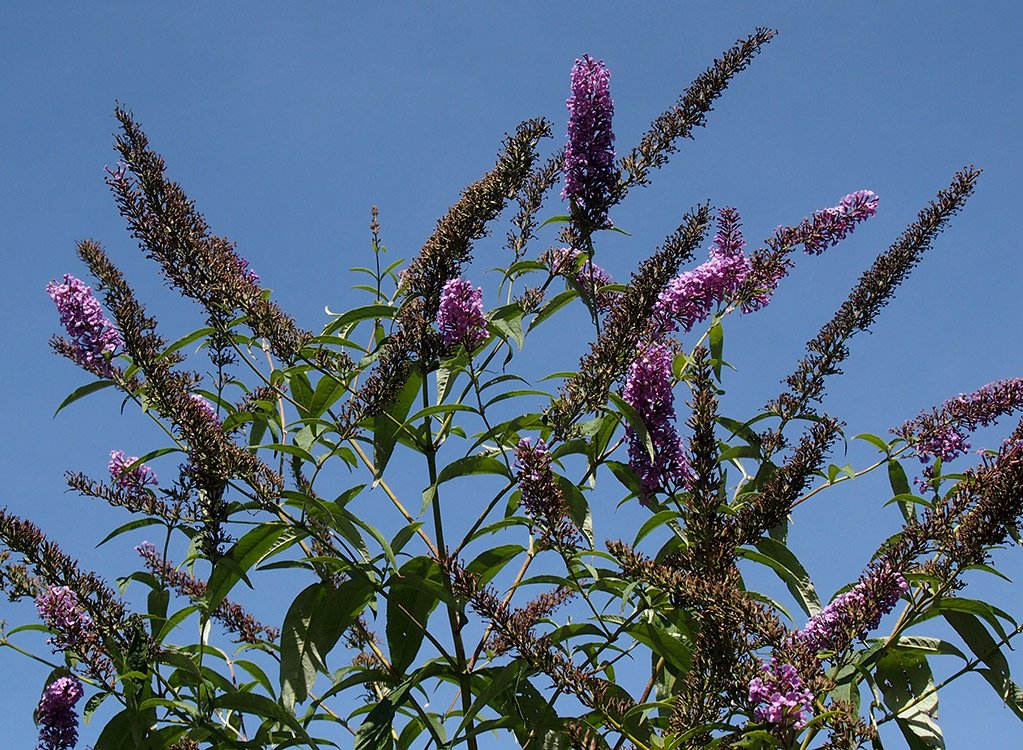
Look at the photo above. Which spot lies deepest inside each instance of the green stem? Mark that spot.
(464, 678)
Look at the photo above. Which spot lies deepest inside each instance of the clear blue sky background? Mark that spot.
(286, 124)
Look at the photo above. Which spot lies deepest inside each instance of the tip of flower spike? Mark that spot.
(829, 226)
(460, 315)
(94, 339)
(589, 152)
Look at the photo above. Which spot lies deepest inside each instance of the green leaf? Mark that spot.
(375, 732)
(562, 219)
(782, 561)
(315, 621)
(552, 306)
(413, 593)
(328, 390)
(291, 450)
(670, 644)
(257, 673)
(388, 424)
(578, 507)
(118, 733)
(525, 708)
(985, 611)
(635, 421)
(523, 266)
(488, 564)
(247, 552)
(717, 340)
(658, 519)
(138, 523)
(928, 645)
(624, 474)
(431, 411)
(185, 340)
(366, 312)
(301, 388)
(739, 451)
(903, 676)
(260, 705)
(94, 702)
(985, 648)
(516, 393)
(878, 442)
(900, 486)
(741, 429)
(83, 391)
(470, 465)
(500, 681)
(506, 322)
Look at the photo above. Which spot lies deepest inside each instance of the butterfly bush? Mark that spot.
(779, 697)
(648, 389)
(133, 481)
(830, 226)
(942, 433)
(692, 296)
(58, 722)
(854, 613)
(589, 154)
(60, 609)
(94, 339)
(414, 527)
(460, 316)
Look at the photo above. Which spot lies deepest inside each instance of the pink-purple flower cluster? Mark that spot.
(780, 698)
(942, 433)
(207, 408)
(856, 612)
(460, 315)
(244, 271)
(831, 225)
(94, 338)
(58, 722)
(116, 175)
(534, 475)
(588, 277)
(689, 298)
(590, 153)
(62, 612)
(946, 443)
(648, 390)
(133, 482)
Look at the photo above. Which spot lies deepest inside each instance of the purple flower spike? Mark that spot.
(62, 612)
(590, 153)
(780, 697)
(58, 722)
(856, 612)
(648, 390)
(133, 482)
(94, 338)
(460, 315)
(830, 226)
(942, 433)
(691, 297)
(534, 476)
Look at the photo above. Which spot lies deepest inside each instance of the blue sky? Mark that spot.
(285, 125)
